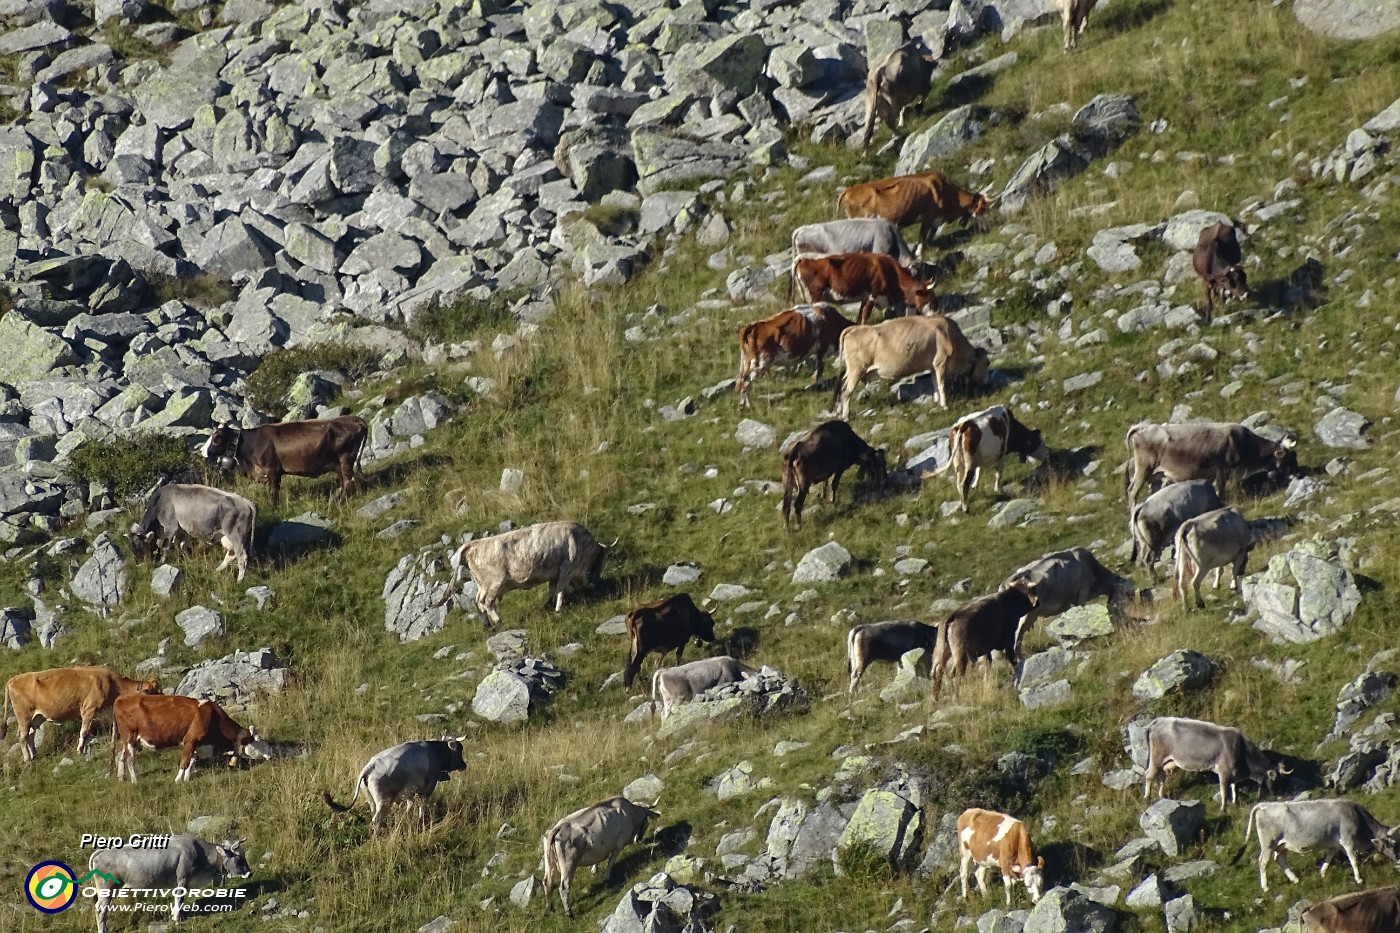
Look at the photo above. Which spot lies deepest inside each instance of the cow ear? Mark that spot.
(1040, 861)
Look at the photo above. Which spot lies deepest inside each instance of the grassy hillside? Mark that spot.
(576, 411)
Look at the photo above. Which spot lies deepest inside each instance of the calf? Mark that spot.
(1212, 541)
(1375, 911)
(1199, 450)
(787, 337)
(167, 721)
(1217, 261)
(551, 552)
(591, 836)
(897, 82)
(184, 865)
(1155, 521)
(403, 772)
(1304, 825)
(62, 694)
(1175, 743)
(906, 347)
(683, 683)
(983, 440)
(886, 642)
(988, 839)
(1074, 15)
(977, 629)
(662, 627)
(1063, 579)
(180, 511)
(824, 453)
(864, 277)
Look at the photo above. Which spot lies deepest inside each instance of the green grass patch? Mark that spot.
(123, 40)
(269, 383)
(464, 317)
(129, 464)
(613, 219)
(202, 290)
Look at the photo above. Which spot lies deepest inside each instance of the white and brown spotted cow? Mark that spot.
(992, 839)
(985, 439)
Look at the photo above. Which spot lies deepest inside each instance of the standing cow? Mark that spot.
(904, 347)
(1176, 743)
(868, 278)
(62, 694)
(1064, 579)
(1201, 450)
(886, 642)
(167, 721)
(824, 453)
(1218, 263)
(994, 840)
(406, 771)
(185, 865)
(1212, 541)
(985, 439)
(293, 448)
(976, 630)
(898, 81)
(1375, 911)
(928, 199)
(552, 552)
(664, 626)
(1155, 521)
(1306, 825)
(180, 511)
(851, 235)
(788, 337)
(592, 836)
(1074, 15)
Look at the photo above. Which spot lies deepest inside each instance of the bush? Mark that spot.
(269, 383)
(1022, 304)
(130, 464)
(203, 290)
(463, 317)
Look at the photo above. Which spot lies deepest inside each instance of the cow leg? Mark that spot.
(1355, 868)
(996, 477)
(347, 476)
(942, 387)
(565, 576)
(1196, 580)
(1237, 570)
(129, 754)
(967, 478)
(1154, 773)
(274, 484)
(832, 485)
(186, 762)
(85, 729)
(228, 555)
(982, 880)
(566, 882)
(100, 906)
(863, 316)
(1281, 857)
(868, 129)
(817, 375)
(964, 869)
(1006, 882)
(28, 725)
(486, 603)
(797, 504)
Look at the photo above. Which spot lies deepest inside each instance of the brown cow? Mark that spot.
(984, 439)
(65, 693)
(295, 448)
(1217, 261)
(824, 453)
(899, 81)
(978, 628)
(1375, 911)
(664, 626)
(787, 337)
(867, 277)
(1074, 15)
(928, 199)
(166, 721)
(989, 839)
(908, 346)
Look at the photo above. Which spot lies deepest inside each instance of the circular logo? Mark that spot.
(50, 887)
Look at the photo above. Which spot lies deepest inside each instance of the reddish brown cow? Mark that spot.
(787, 337)
(867, 277)
(928, 199)
(296, 448)
(166, 721)
(1216, 260)
(664, 626)
(62, 694)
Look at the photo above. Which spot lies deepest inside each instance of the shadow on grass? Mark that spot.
(1123, 17)
(1064, 466)
(1068, 861)
(739, 643)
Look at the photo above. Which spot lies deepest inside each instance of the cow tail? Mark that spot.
(954, 445)
(1133, 530)
(252, 530)
(5, 714)
(655, 686)
(343, 808)
(851, 649)
(1186, 558)
(841, 202)
(792, 271)
(112, 760)
(547, 843)
(1248, 833)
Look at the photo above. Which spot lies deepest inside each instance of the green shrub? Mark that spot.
(129, 464)
(269, 383)
(1021, 305)
(202, 290)
(863, 861)
(613, 219)
(463, 317)
(122, 39)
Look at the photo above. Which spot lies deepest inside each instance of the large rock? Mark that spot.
(1348, 19)
(1173, 824)
(1367, 690)
(1104, 122)
(823, 564)
(200, 623)
(1065, 910)
(799, 837)
(1183, 230)
(957, 128)
(1180, 670)
(598, 159)
(502, 696)
(667, 160)
(770, 693)
(1043, 171)
(887, 823)
(417, 596)
(734, 62)
(660, 905)
(752, 433)
(236, 678)
(300, 533)
(30, 351)
(101, 580)
(1343, 428)
(1304, 594)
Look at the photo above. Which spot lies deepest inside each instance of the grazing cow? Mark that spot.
(988, 838)
(1375, 911)
(978, 628)
(1155, 521)
(1303, 825)
(867, 277)
(983, 440)
(683, 683)
(65, 693)
(166, 721)
(1217, 261)
(886, 642)
(180, 511)
(1197, 450)
(592, 836)
(1075, 16)
(898, 81)
(788, 337)
(293, 448)
(185, 865)
(1174, 743)
(1063, 579)
(662, 627)
(551, 552)
(852, 235)
(906, 347)
(824, 453)
(403, 772)
(928, 199)
(1212, 541)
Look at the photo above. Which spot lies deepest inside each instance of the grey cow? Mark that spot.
(887, 642)
(551, 552)
(1212, 541)
(184, 511)
(1154, 522)
(186, 862)
(591, 837)
(681, 684)
(410, 769)
(898, 81)
(852, 235)
(1176, 743)
(1303, 825)
(1062, 580)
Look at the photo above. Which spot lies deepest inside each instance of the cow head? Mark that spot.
(150, 686)
(222, 446)
(595, 571)
(453, 756)
(1286, 456)
(981, 366)
(1233, 283)
(977, 204)
(1033, 877)
(251, 746)
(873, 465)
(705, 627)
(143, 544)
(1035, 447)
(918, 293)
(233, 863)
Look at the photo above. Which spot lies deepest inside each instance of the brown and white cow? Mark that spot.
(1217, 260)
(1197, 450)
(908, 346)
(293, 448)
(63, 694)
(664, 626)
(823, 454)
(990, 839)
(1212, 541)
(978, 628)
(985, 439)
(1376, 911)
(550, 552)
(167, 721)
(869, 278)
(897, 82)
(785, 338)
(928, 199)
(1074, 15)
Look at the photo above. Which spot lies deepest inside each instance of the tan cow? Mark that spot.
(1212, 541)
(591, 836)
(898, 81)
(62, 694)
(1075, 16)
(1375, 911)
(989, 839)
(906, 347)
(556, 553)
(928, 199)
(787, 337)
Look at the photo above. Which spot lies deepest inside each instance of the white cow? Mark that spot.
(184, 863)
(1304, 825)
(590, 837)
(551, 552)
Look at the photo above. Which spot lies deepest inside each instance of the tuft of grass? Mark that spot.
(1022, 304)
(269, 383)
(129, 464)
(464, 316)
(612, 219)
(7, 299)
(202, 290)
(123, 40)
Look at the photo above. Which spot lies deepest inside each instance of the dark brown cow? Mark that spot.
(1375, 911)
(166, 721)
(1217, 261)
(295, 448)
(928, 199)
(978, 628)
(787, 337)
(867, 277)
(65, 693)
(662, 627)
(824, 453)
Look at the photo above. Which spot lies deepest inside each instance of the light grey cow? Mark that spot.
(1154, 522)
(186, 511)
(1062, 580)
(681, 684)
(852, 235)
(590, 837)
(1176, 743)
(1212, 541)
(552, 552)
(887, 642)
(186, 862)
(405, 771)
(1305, 825)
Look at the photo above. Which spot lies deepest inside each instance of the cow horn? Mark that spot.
(461, 738)
(1284, 769)
(1289, 441)
(614, 543)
